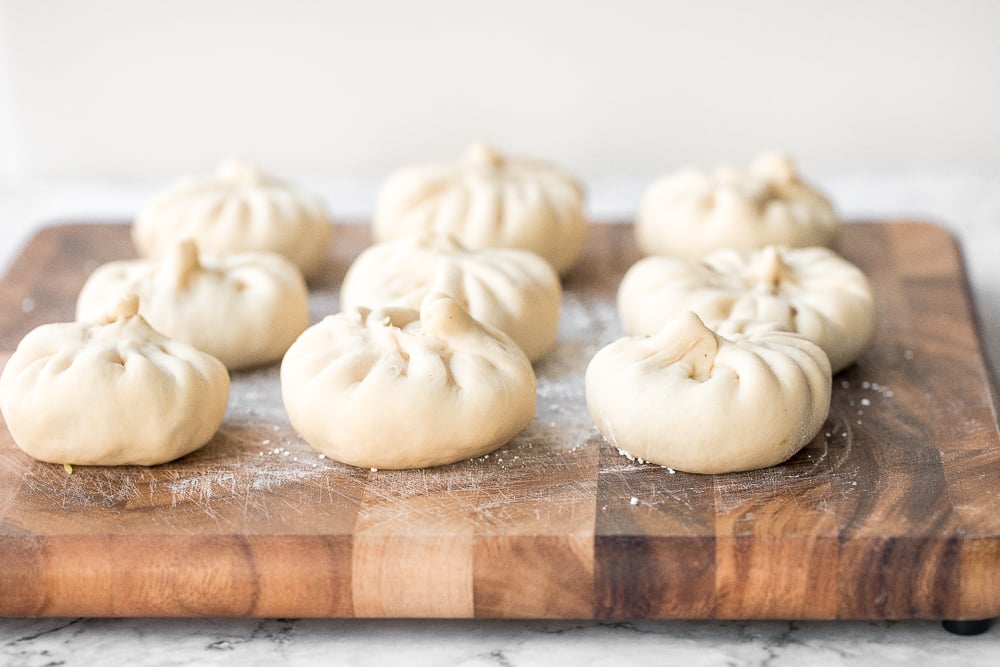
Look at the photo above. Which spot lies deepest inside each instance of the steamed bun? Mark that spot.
(710, 401)
(239, 209)
(690, 213)
(811, 291)
(400, 388)
(486, 200)
(244, 308)
(515, 291)
(111, 392)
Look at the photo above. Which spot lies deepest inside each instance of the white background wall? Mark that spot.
(347, 90)
(891, 106)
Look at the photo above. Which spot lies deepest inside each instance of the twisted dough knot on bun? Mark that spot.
(397, 388)
(703, 400)
(111, 391)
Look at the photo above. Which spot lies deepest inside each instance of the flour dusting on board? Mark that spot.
(585, 327)
(257, 456)
(278, 456)
(562, 422)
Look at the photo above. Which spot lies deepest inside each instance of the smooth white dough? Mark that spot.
(245, 309)
(397, 388)
(111, 392)
(238, 209)
(487, 201)
(515, 291)
(701, 401)
(811, 291)
(690, 213)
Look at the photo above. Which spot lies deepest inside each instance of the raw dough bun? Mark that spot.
(111, 392)
(244, 309)
(398, 388)
(691, 213)
(811, 291)
(747, 397)
(240, 209)
(487, 201)
(513, 290)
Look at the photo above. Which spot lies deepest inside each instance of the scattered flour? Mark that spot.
(562, 420)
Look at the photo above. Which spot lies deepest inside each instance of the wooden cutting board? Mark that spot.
(891, 512)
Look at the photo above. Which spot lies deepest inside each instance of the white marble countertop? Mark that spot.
(966, 203)
(137, 642)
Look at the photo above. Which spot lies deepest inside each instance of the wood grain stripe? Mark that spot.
(534, 555)
(889, 513)
(777, 540)
(654, 558)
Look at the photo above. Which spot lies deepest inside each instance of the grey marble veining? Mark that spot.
(138, 642)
